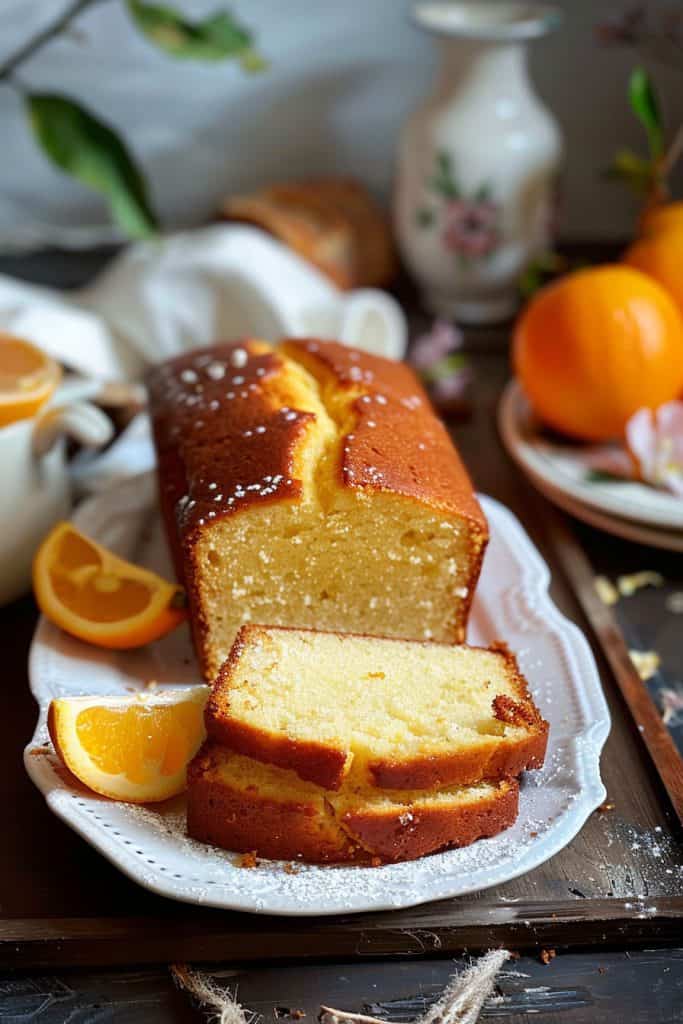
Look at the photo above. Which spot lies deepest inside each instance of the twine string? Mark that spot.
(459, 1003)
(219, 1004)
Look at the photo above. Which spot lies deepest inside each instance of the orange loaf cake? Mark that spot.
(246, 806)
(312, 485)
(394, 713)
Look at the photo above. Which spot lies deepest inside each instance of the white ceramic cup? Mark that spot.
(36, 490)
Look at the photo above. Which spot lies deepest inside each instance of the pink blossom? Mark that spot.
(436, 343)
(451, 389)
(672, 705)
(655, 439)
(471, 227)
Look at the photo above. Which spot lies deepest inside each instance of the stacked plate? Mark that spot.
(560, 470)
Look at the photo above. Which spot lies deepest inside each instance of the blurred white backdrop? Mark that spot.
(341, 78)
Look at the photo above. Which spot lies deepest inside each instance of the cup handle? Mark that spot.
(373, 320)
(80, 421)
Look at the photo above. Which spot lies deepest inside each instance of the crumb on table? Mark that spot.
(248, 860)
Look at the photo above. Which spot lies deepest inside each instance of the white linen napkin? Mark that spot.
(161, 297)
(222, 282)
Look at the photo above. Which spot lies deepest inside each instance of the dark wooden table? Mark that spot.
(78, 941)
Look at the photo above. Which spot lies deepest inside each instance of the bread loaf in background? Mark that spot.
(334, 223)
(311, 485)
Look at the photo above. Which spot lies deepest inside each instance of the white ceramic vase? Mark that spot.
(478, 162)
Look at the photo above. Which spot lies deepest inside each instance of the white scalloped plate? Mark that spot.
(149, 844)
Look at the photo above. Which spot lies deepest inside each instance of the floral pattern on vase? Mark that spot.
(469, 225)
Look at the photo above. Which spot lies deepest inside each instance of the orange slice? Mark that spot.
(130, 748)
(27, 379)
(98, 597)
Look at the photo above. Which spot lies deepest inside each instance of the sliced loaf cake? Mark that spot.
(397, 714)
(246, 806)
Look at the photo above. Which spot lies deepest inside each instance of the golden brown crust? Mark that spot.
(245, 821)
(314, 762)
(333, 223)
(395, 835)
(491, 759)
(397, 443)
(488, 761)
(210, 446)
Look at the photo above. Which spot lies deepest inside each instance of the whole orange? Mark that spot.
(595, 346)
(660, 254)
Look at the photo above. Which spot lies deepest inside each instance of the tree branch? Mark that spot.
(39, 40)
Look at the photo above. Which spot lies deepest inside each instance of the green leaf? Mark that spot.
(443, 163)
(601, 476)
(443, 180)
(541, 270)
(444, 187)
(445, 367)
(215, 38)
(645, 106)
(85, 147)
(631, 169)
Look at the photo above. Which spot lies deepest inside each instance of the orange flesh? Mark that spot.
(139, 742)
(19, 365)
(82, 584)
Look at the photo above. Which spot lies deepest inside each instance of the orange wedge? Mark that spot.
(27, 379)
(130, 748)
(98, 597)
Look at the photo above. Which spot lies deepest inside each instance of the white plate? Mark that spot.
(669, 540)
(149, 845)
(561, 469)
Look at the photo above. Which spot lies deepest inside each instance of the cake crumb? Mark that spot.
(291, 869)
(606, 806)
(628, 585)
(376, 862)
(674, 602)
(248, 860)
(39, 751)
(512, 712)
(606, 590)
(546, 955)
(646, 663)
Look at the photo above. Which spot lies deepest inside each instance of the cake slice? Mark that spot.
(246, 806)
(405, 715)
